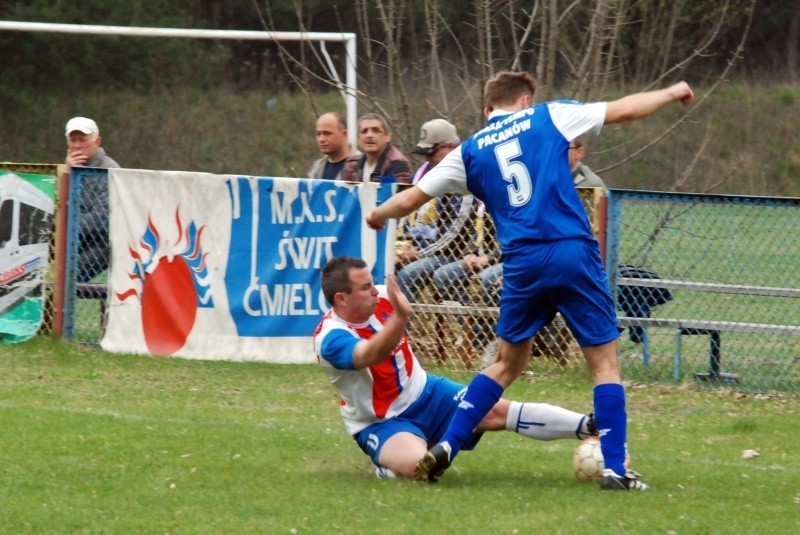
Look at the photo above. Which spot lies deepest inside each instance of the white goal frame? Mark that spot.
(348, 89)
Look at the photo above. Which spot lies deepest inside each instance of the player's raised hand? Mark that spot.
(399, 301)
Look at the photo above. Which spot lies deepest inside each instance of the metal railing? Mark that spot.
(706, 286)
(708, 265)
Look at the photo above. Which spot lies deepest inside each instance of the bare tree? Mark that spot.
(577, 48)
(793, 44)
(734, 59)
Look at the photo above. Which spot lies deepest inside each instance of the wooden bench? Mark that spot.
(713, 329)
(93, 290)
(468, 312)
(83, 290)
(549, 342)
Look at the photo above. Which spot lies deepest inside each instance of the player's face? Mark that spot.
(372, 137)
(331, 138)
(363, 296)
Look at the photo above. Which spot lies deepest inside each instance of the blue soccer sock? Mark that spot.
(611, 419)
(482, 394)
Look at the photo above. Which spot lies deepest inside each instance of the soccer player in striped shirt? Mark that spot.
(392, 408)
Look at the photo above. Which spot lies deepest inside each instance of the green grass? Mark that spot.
(100, 443)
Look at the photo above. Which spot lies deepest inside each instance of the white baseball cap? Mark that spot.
(82, 124)
(434, 132)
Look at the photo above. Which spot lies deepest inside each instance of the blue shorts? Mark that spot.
(564, 276)
(426, 418)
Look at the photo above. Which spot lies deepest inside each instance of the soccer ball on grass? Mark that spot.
(587, 462)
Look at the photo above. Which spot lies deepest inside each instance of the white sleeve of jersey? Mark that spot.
(450, 176)
(575, 118)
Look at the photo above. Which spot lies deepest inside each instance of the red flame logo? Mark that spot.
(170, 281)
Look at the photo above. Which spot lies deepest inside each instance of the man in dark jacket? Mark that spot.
(380, 158)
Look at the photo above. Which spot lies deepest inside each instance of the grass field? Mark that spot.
(100, 443)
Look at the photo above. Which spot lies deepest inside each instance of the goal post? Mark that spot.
(348, 89)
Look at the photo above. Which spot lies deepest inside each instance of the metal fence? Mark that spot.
(708, 287)
(86, 268)
(455, 296)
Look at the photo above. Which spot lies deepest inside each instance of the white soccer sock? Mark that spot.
(542, 421)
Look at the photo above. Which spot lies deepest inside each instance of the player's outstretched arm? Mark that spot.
(641, 105)
(398, 205)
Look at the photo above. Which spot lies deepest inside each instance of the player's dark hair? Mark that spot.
(335, 276)
(507, 87)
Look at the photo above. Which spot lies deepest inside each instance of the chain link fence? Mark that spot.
(708, 288)
(449, 267)
(86, 270)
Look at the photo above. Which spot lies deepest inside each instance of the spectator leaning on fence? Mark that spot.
(380, 158)
(83, 149)
(391, 407)
(331, 133)
(483, 256)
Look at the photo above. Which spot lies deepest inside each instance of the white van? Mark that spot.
(26, 222)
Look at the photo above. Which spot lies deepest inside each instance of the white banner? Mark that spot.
(227, 267)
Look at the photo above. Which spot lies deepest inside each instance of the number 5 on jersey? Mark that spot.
(515, 173)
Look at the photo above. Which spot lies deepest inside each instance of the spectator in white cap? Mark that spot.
(83, 144)
(83, 149)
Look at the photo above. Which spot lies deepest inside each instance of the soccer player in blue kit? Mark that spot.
(518, 166)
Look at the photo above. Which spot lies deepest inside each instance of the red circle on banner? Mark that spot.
(169, 306)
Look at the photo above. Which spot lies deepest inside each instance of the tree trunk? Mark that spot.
(793, 45)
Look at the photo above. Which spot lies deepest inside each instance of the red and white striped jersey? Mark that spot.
(371, 394)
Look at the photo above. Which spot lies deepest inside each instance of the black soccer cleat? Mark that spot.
(591, 427)
(436, 460)
(630, 481)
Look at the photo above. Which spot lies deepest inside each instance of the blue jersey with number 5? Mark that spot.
(518, 166)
